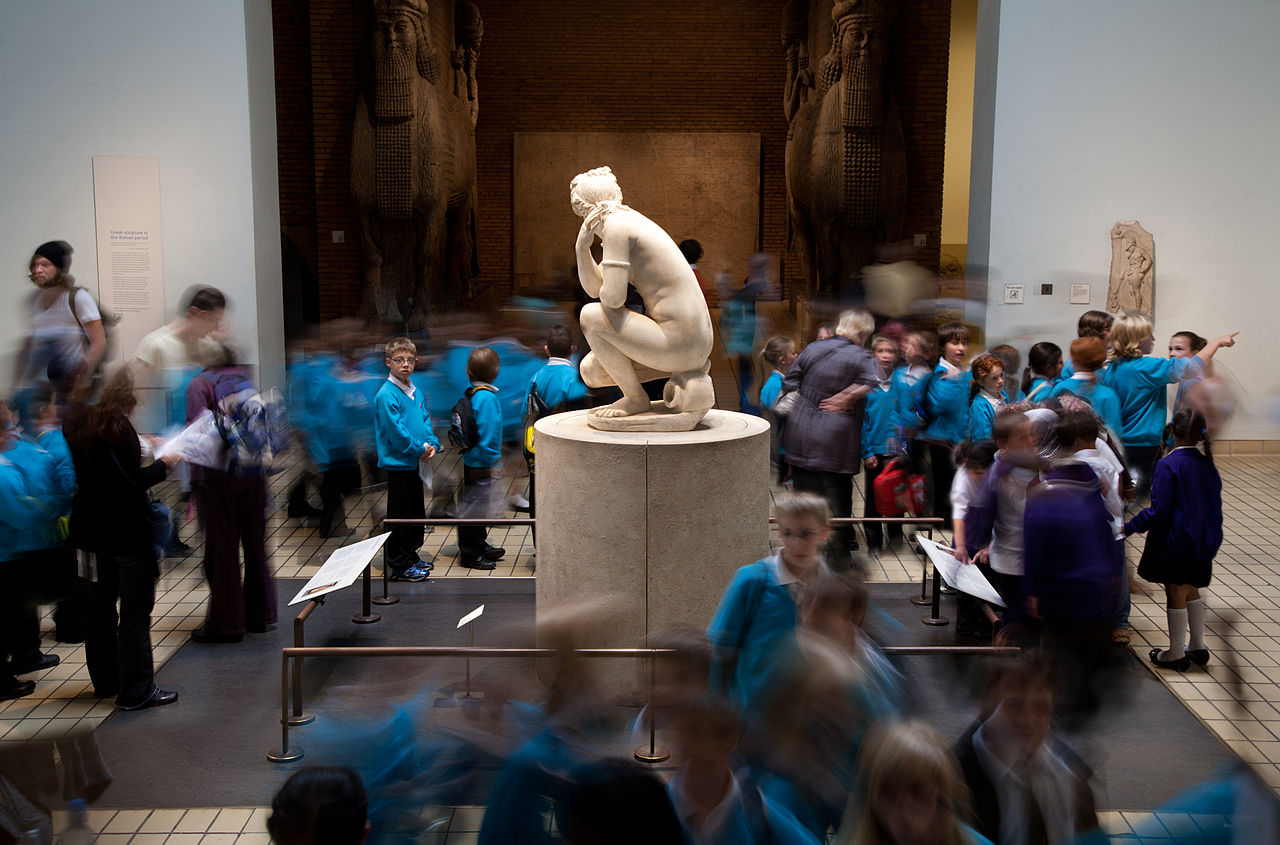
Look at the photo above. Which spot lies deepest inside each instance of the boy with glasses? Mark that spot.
(402, 432)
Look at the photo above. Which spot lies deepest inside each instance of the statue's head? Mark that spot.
(400, 30)
(587, 190)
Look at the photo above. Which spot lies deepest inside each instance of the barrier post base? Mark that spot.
(366, 619)
(303, 718)
(385, 600)
(936, 621)
(275, 755)
(658, 754)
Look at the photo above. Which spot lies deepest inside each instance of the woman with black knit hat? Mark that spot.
(67, 340)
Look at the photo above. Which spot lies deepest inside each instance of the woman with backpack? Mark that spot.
(67, 340)
(232, 507)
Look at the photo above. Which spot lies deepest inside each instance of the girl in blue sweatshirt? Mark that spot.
(1140, 380)
(1044, 366)
(986, 395)
(1183, 525)
(879, 440)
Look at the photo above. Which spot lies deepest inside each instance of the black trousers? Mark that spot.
(117, 646)
(876, 531)
(337, 482)
(1142, 462)
(19, 621)
(837, 489)
(404, 501)
(477, 484)
(942, 471)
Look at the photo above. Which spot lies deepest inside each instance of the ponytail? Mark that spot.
(1040, 357)
(1190, 426)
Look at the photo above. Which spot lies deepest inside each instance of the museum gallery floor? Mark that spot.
(1246, 591)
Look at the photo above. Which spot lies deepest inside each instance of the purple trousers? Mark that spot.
(233, 513)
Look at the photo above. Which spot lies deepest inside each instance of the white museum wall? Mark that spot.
(1163, 111)
(164, 78)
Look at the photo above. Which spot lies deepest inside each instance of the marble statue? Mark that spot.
(673, 337)
(846, 159)
(413, 159)
(1132, 283)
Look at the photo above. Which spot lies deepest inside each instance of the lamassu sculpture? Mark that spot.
(672, 338)
(846, 155)
(413, 159)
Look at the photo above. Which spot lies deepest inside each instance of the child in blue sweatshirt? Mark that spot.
(481, 462)
(945, 399)
(402, 432)
(1140, 380)
(879, 440)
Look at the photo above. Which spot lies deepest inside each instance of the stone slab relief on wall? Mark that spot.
(703, 185)
(1133, 269)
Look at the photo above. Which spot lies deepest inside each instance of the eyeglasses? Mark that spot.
(802, 534)
(404, 360)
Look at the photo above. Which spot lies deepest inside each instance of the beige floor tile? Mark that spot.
(161, 821)
(196, 821)
(231, 820)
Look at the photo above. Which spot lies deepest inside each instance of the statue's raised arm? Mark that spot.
(673, 338)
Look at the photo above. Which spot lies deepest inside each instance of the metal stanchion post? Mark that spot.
(298, 717)
(368, 617)
(284, 754)
(471, 641)
(653, 753)
(385, 598)
(935, 618)
(923, 599)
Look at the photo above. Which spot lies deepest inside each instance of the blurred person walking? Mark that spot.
(67, 341)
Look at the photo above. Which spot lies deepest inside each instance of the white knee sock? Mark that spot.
(1195, 620)
(1177, 634)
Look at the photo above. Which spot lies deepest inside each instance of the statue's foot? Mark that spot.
(691, 390)
(624, 407)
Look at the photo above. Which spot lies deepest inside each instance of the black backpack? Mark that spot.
(463, 431)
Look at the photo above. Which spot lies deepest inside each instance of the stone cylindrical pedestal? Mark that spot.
(656, 522)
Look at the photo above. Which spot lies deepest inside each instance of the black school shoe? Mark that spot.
(1182, 664)
(475, 562)
(1198, 656)
(44, 661)
(17, 689)
(158, 698)
(492, 552)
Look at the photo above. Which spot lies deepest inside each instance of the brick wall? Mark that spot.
(659, 65)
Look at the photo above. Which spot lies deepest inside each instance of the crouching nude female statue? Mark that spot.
(673, 338)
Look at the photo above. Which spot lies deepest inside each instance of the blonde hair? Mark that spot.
(400, 344)
(882, 339)
(1127, 334)
(901, 755)
(855, 324)
(801, 504)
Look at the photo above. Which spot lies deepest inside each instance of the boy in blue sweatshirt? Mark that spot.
(481, 462)
(560, 388)
(402, 432)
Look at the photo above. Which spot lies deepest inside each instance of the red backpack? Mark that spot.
(899, 490)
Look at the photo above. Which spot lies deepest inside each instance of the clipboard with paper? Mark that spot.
(965, 578)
